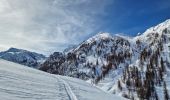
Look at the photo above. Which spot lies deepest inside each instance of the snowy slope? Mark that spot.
(23, 83)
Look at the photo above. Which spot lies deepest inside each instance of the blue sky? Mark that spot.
(135, 16)
(46, 26)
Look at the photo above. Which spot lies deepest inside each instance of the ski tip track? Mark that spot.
(68, 89)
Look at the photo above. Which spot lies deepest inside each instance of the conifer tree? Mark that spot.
(162, 65)
(166, 95)
(119, 85)
(156, 96)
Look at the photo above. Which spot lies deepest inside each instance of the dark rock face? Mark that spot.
(53, 63)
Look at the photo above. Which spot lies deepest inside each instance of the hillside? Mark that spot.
(93, 54)
(18, 82)
(148, 76)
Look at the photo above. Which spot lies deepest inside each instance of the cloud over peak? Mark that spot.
(45, 25)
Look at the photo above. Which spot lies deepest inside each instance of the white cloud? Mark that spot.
(46, 25)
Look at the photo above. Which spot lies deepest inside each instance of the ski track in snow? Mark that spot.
(69, 91)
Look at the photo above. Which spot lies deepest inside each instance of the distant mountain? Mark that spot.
(23, 57)
(134, 67)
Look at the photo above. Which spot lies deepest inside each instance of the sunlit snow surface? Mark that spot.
(18, 82)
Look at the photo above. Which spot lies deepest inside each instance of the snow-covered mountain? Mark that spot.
(120, 64)
(23, 57)
(18, 82)
(102, 50)
(147, 76)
